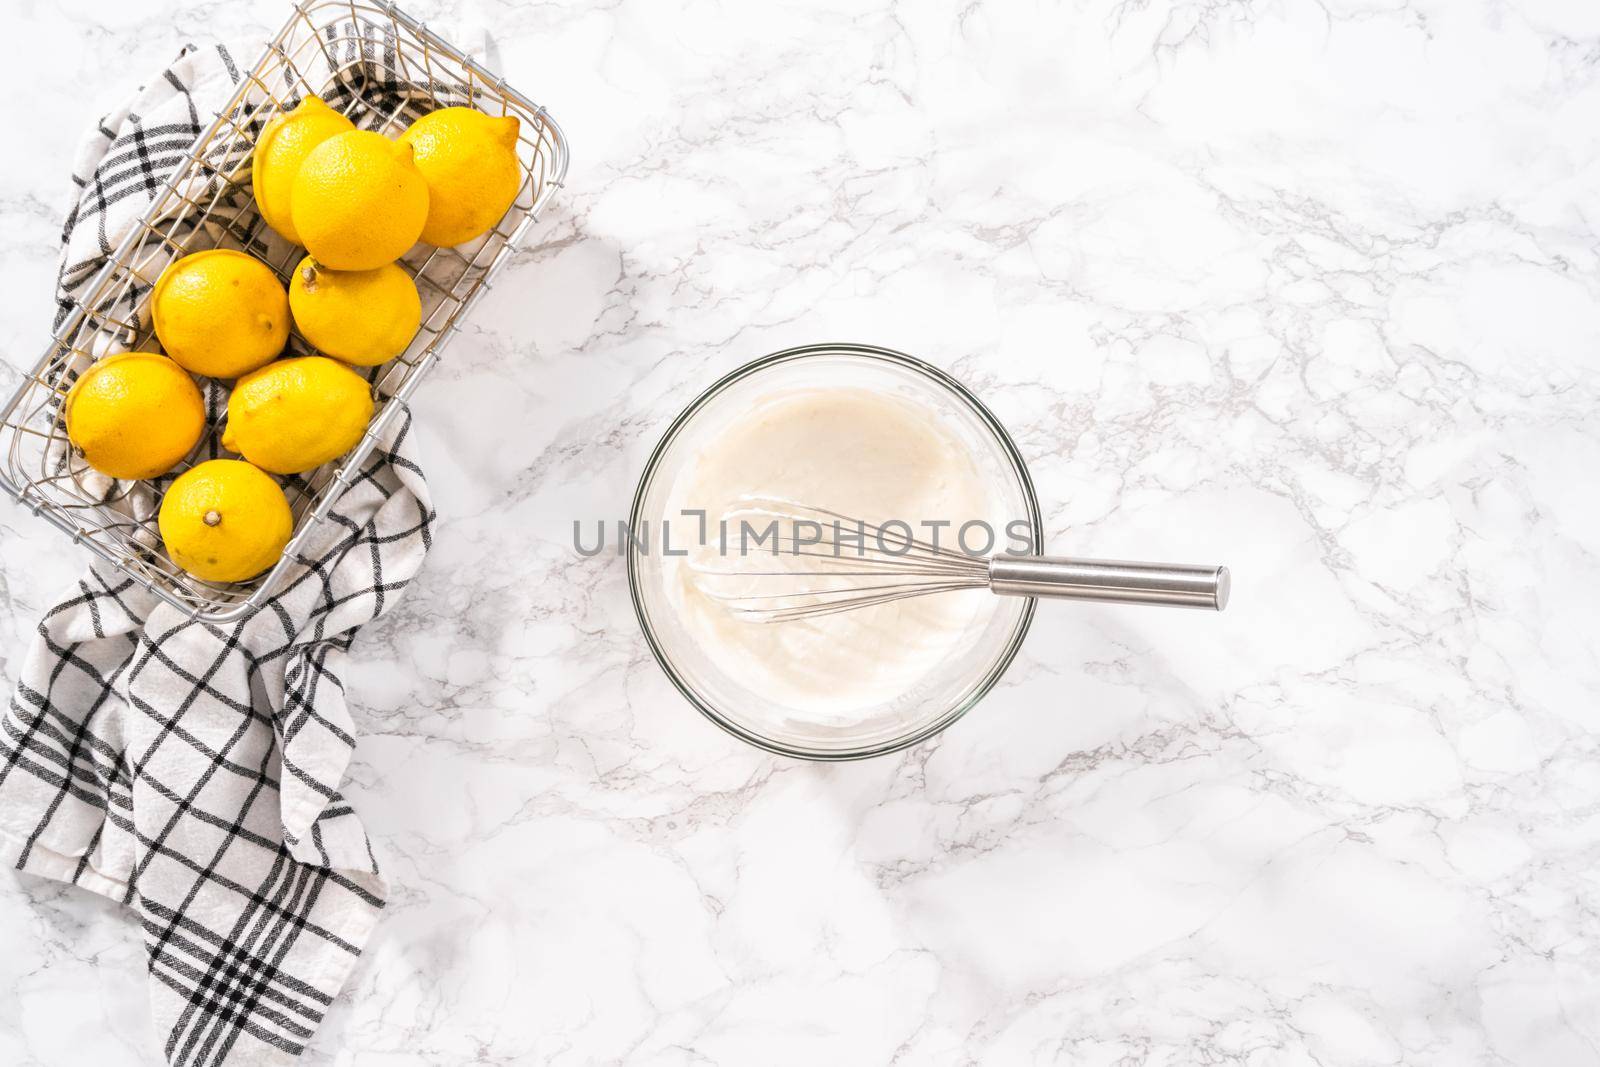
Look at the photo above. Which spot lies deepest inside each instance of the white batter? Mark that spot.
(861, 453)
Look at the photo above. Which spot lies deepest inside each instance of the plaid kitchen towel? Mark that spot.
(192, 772)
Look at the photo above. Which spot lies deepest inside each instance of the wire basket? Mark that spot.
(383, 69)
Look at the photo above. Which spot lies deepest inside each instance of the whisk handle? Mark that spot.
(1110, 581)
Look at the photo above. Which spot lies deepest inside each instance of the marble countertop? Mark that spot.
(1310, 288)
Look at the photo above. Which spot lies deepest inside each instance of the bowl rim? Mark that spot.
(871, 352)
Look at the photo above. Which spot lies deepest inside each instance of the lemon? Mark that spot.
(220, 313)
(225, 521)
(134, 415)
(470, 162)
(359, 316)
(281, 148)
(358, 201)
(296, 414)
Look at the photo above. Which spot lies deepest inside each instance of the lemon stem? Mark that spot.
(309, 275)
(213, 518)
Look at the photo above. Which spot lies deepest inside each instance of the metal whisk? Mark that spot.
(853, 564)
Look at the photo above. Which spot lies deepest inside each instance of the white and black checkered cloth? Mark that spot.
(192, 772)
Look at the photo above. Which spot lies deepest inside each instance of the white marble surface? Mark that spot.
(1309, 287)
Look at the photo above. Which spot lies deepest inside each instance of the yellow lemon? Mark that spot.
(296, 414)
(358, 201)
(134, 415)
(360, 316)
(283, 145)
(470, 162)
(220, 313)
(225, 521)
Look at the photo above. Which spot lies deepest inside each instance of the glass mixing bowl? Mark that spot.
(933, 702)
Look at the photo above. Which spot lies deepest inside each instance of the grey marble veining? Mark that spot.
(1309, 288)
